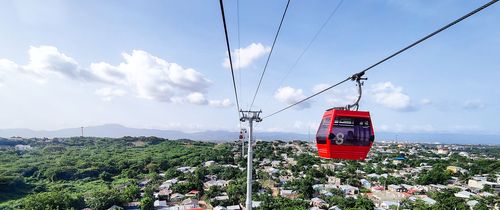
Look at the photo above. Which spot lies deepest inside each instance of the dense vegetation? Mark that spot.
(96, 172)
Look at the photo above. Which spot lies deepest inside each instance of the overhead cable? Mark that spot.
(269, 56)
(230, 58)
(390, 56)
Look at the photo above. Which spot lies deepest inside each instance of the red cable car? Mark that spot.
(344, 133)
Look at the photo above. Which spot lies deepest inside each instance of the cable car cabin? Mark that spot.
(345, 134)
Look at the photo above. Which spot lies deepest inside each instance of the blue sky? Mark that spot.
(160, 64)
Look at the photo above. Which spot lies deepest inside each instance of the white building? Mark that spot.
(235, 207)
(318, 202)
(480, 182)
(463, 154)
(365, 183)
(388, 204)
(186, 169)
(464, 194)
(21, 147)
(472, 203)
(334, 180)
(328, 166)
(219, 183)
(289, 194)
(167, 184)
(425, 199)
(209, 163)
(349, 190)
(443, 150)
(276, 163)
(160, 204)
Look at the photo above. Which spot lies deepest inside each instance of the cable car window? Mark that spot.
(323, 130)
(351, 131)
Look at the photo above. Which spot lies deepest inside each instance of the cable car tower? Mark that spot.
(250, 116)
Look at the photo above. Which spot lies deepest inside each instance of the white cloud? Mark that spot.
(473, 104)
(108, 93)
(243, 57)
(6, 66)
(108, 73)
(319, 87)
(220, 103)
(148, 76)
(391, 96)
(46, 60)
(425, 101)
(337, 97)
(152, 77)
(196, 98)
(289, 95)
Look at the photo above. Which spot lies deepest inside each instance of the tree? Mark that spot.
(269, 202)
(60, 173)
(213, 191)
(103, 199)
(305, 187)
(236, 191)
(172, 173)
(481, 206)
(131, 192)
(487, 188)
(8, 183)
(337, 192)
(52, 200)
(342, 202)
(315, 173)
(306, 160)
(147, 203)
(418, 204)
(152, 167)
(446, 200)
(363, 202)
(106, 176)
(391, 180)
(435, 176)
(184, 187)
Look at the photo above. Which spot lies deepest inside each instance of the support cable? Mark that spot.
(359, 74)
(269, 56)
(239, 50)
(239, 45)
(230, 58)
(332, 13)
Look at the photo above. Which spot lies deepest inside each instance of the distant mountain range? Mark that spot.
(115, 130)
